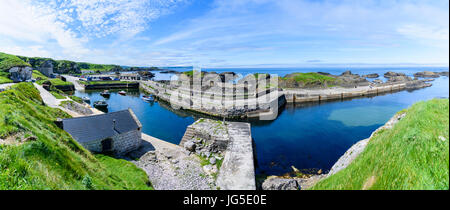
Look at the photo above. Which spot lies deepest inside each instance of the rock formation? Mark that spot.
(393, 74)
(374, 75)
(427, 74)
(20, 74)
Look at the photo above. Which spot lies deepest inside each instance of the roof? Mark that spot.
(98, 127)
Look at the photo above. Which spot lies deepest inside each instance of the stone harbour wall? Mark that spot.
(127, 142)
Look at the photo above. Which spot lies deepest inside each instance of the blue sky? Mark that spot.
(229, 33)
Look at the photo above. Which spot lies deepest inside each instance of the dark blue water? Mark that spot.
(311, 136)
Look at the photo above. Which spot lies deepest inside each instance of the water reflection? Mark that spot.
(307, 136)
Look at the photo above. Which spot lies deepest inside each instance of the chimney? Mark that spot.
(114, 126)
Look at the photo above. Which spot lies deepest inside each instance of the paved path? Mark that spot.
(48, 98)
(74, 80)
(4, 86)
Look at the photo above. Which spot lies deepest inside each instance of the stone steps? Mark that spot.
(187, 136)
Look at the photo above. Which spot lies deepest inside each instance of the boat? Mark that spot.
(105, 93)
(148, 98)
(86, 99)
(100, 104)
(122, 92)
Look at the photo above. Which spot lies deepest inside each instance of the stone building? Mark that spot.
(21, 74)
(46, 68)
(117, 132)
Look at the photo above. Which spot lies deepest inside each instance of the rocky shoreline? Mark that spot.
(306, 181)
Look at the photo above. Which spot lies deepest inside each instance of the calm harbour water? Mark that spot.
(311, 136)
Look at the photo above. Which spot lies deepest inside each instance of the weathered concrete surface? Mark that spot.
(238, 170)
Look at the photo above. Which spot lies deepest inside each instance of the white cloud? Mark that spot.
(66, 28)
(425, 32)
(31, 24)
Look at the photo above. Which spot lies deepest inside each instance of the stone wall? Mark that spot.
(121, 144)
(211, 136)
(127, 142)
(93, 146)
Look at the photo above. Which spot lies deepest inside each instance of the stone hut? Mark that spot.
(21, 74)
(46, 68)
(117, 132)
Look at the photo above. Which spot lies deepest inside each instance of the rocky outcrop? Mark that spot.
(20, 74)
(349, 156)
(347, 79)
(275, 183)
(427, 74)
(444, 73)
(377, 81)
(399, 79)
(390, 74)
(374, 75)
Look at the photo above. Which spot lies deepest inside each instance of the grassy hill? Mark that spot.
(8, 61)
(413, 155)
(51, 159)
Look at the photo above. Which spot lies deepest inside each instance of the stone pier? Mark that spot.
(238, 169)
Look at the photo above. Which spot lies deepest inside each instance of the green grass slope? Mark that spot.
(8, 61)
(413, 155)
(4, 78)
(54, 160)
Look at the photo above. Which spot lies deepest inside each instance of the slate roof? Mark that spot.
(99, 127)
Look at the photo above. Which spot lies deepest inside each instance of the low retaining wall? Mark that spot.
(65, 87)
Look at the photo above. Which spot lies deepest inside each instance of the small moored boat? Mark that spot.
(147, 98)
(86, 99)
(122, 92)
(100, 104)
(105, 93)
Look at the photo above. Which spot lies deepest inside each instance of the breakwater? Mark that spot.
(264, 103)
(304, 95)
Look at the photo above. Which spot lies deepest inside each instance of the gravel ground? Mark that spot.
(174, 169)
